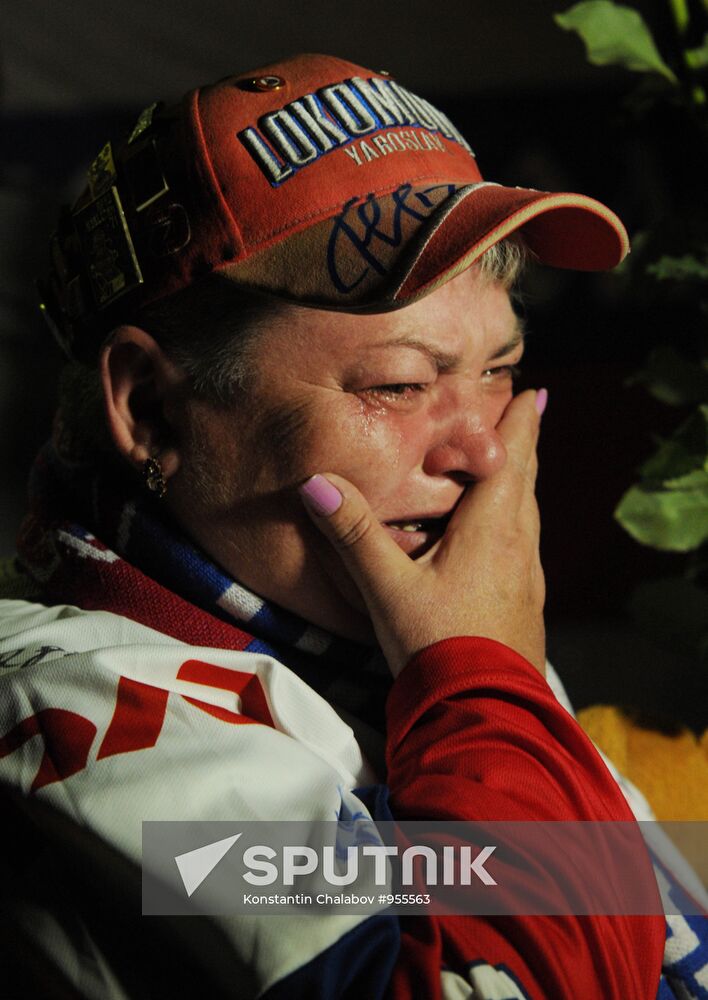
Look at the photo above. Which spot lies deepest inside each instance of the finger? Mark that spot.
(519, 429)
(540, 404)
(495, 503)
(520, 425)
(344, 517)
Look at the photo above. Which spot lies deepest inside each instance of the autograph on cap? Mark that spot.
(365, 236)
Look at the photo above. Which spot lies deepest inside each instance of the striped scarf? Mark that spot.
(95, 539)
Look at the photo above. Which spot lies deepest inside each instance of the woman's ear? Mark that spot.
(140, 385)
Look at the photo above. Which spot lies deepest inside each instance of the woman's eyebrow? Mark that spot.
(516, 338)
(445, 361)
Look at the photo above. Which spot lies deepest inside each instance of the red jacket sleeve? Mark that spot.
(475, 733)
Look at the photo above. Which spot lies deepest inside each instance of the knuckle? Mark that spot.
(351, 534)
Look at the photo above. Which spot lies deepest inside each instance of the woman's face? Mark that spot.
(405, 405)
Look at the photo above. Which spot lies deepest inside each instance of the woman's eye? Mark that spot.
(396, 390)
(503, 371)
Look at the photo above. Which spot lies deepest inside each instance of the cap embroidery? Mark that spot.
(299, 133)
(393, 142)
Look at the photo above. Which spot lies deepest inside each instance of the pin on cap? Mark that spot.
(313, 180)
(263, 83)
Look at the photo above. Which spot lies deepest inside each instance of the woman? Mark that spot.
(287, 301)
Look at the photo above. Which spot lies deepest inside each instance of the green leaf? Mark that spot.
(669, 508)
(698, 479)
(671, 520)
(681, 15)
(686, 268)
(672, 379)
(684, 452)
(615, 35)
(672, 460)
(697, 59)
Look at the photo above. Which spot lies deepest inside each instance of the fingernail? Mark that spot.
(541, 400)
(320, 496)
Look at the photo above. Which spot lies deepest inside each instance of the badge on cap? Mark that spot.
(107, 245)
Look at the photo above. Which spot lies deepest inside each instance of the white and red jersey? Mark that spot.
(112, 723)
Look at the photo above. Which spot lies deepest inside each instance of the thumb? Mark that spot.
(344, 517)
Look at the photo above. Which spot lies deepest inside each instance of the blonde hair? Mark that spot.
(505, 261)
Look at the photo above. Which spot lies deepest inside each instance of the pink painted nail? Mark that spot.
(320, 496)
(541, 401)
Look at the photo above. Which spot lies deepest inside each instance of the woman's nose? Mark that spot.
(470, 447)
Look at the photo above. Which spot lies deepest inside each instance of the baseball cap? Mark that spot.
(313, 180)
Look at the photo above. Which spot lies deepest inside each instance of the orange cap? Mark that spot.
(313, 180)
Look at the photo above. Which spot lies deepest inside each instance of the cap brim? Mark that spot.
(562, 230)
(389, 249)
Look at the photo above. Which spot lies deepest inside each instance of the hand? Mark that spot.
(484, 576)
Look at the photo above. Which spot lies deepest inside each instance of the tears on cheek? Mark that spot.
(376, 449)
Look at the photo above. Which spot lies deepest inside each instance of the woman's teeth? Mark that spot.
(406, 525)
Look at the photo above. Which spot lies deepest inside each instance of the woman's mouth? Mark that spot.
(417, 534)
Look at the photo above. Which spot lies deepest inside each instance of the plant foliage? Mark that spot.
(615, 35)
(667, 508)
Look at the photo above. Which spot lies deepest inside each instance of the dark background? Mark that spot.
(535, 113)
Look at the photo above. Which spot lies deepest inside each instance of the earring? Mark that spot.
(154, 478)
